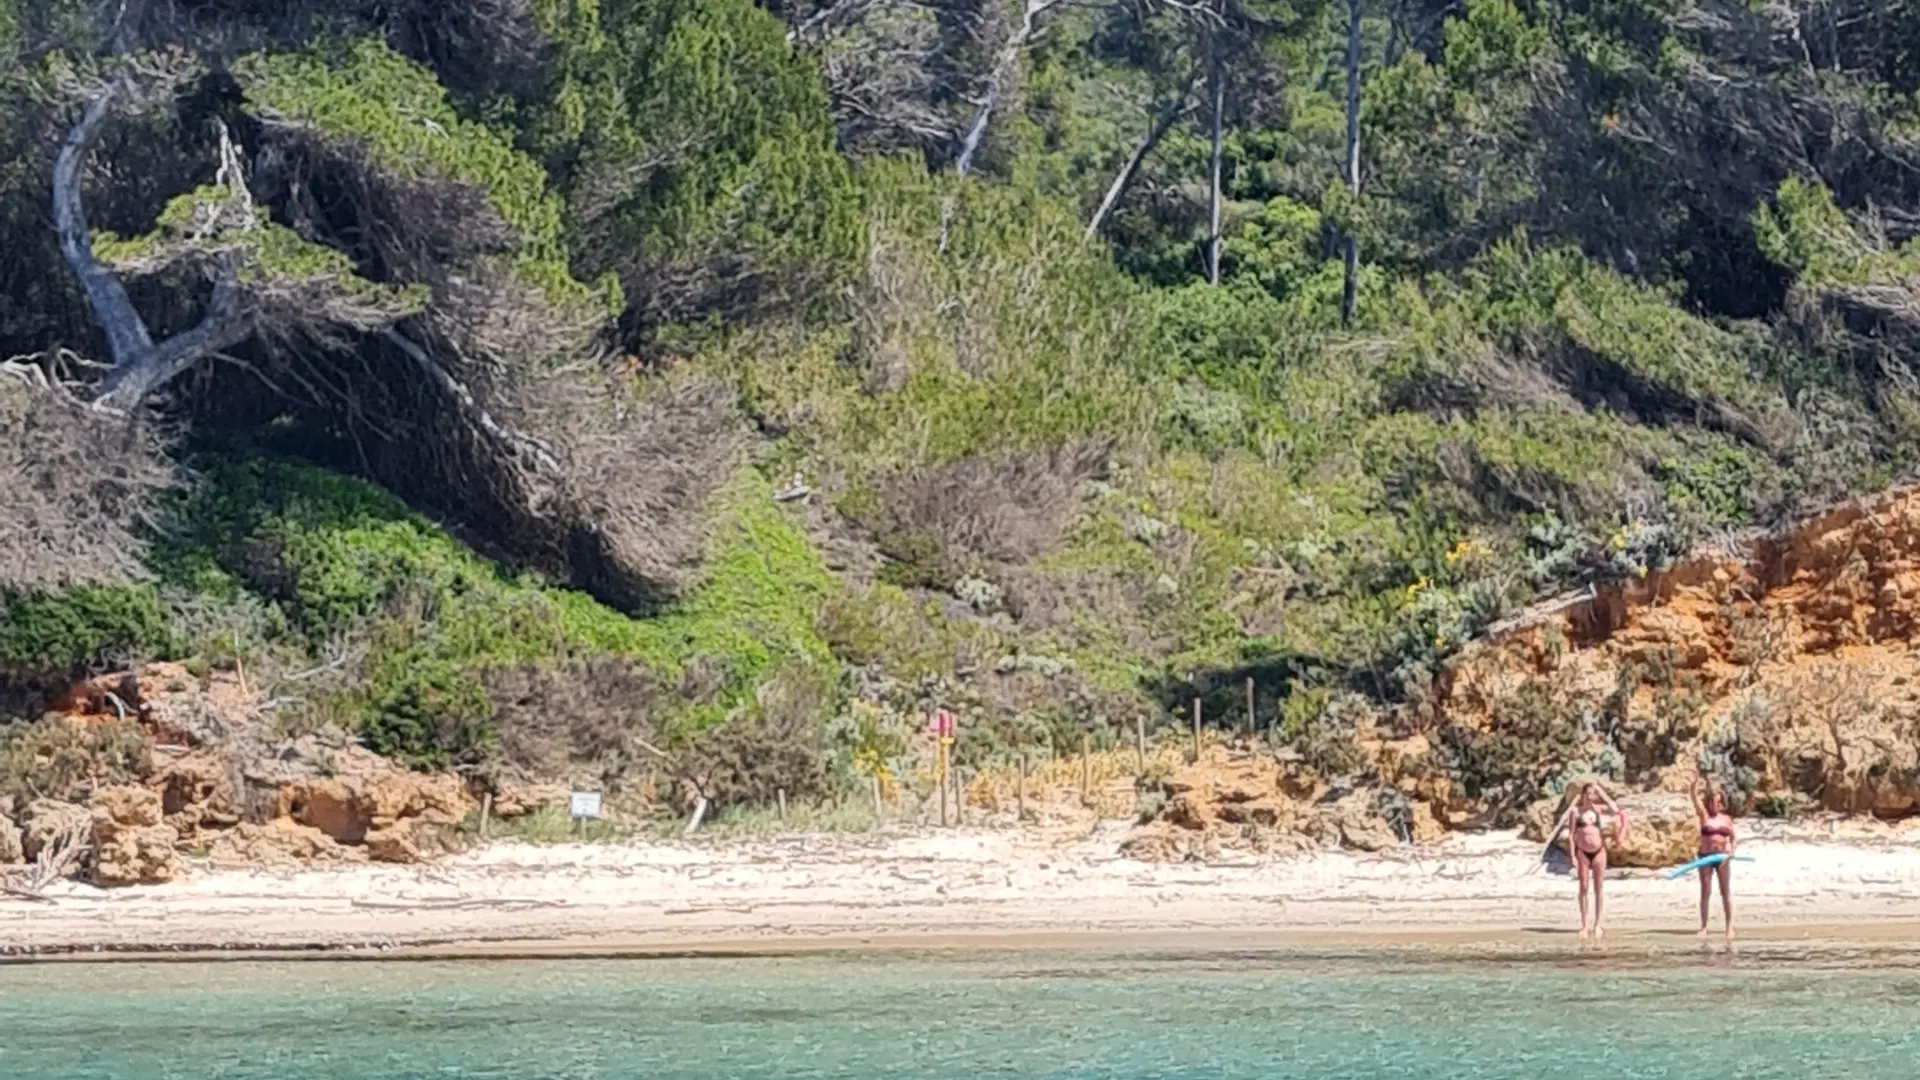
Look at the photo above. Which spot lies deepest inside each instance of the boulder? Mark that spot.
(394, 813)
(1541, 820)
(1188, 810)
(131, 846)
(1665, 831)
(1162, 842)
(1360, 824)
(196, 794)
(280, 841)
(1427, 827)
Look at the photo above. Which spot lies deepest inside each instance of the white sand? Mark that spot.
(960, 887)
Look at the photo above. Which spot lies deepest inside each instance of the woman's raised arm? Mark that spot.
(1622, 824)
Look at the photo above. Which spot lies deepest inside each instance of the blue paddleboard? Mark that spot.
(1702, 863)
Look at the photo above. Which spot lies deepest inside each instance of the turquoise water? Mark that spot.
(1067, 1015)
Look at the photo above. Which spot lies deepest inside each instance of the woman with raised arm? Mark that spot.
(1589, 849)
(1716, 838)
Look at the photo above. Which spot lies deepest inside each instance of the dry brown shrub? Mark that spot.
(75, 485)
(981, 512)
(774, 747)
(63, 759)
(1065, 601)
(587, 720)
(631, 525)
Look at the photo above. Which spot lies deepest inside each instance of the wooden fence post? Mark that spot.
(1253, 727)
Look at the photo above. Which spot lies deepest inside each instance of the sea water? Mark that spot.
(1680, 1015)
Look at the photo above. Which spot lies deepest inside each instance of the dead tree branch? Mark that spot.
(1162, 123)
(541, 454)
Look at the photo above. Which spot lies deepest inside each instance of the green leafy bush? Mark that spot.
(56, 758)
(80, 625)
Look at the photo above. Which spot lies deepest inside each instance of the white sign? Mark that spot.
(586, 804)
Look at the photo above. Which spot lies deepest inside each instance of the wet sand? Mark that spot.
(965, 889)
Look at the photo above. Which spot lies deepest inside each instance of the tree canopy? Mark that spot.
(1048, 303)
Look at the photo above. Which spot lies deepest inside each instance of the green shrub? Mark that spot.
(81, 625)
(56, 758)
(342, 557)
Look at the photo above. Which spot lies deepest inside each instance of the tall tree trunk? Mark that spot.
(139, 365)
(1003, 67)
(1349, 293)
(1219, 119)
(1155, 132)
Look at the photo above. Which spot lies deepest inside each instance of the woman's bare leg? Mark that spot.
(1725, 873)
(1706, 896)
(1580, 867)
(1599, 871)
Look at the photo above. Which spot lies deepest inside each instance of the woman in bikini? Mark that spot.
(1589, 849)
(1716, 838)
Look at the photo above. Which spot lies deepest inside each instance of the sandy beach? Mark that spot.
(956, 888)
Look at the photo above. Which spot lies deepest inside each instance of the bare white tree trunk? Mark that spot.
(1219, 120)
(1155, 132)
(139, 365)
(541, 454)
(1349, 293)
(820, 23)
(1003, 66)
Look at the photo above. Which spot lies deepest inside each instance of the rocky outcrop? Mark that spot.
(196, 795)
(222, 782)
(131, 845)
(1254, 801)
(517, 799)
(398, 816)
(1664, 832)
(1788, 663)
(174, 705)
(278, 842)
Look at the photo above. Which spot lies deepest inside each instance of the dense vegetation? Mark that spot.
(583, 285)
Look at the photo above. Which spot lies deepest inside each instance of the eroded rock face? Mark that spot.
(196, 794)
(131, 845)
(1790, 661)
(1665, 831)
(278, 842)
(1360, 824)
(519, 800)
(398, 816)
(1254, 801)
(223, 780)
(171, 703)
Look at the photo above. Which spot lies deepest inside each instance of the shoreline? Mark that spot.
(1486, 942)
(959, 891)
